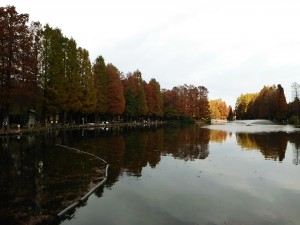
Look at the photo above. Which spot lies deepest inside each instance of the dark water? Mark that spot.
(223, 174)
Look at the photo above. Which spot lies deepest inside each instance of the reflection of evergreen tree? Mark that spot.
(142, 148)
(271, 145)
(36, 175)
(189, 143)
(155, 147)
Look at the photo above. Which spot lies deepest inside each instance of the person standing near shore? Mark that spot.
(5, 126)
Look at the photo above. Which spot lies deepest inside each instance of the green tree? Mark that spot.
(154, 98)
(73, 88)
(135, 97)
(242, 105)
(101, 86)
(53, 74)
(170, 102)
(88, 100)
(130, 106)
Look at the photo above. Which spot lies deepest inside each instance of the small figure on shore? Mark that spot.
(5, 126)
(18, 131)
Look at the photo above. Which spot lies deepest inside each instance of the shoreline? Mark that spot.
(41, 129)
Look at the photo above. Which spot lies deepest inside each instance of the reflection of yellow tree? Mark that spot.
(271, 145)
(218, 136)
(245, 140)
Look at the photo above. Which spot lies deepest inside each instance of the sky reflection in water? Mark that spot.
(205, 176)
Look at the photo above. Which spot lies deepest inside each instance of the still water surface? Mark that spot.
(219, 174)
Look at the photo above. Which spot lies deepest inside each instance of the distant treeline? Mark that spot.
(45, 71)
(270, 103)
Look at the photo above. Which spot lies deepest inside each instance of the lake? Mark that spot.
(240, 173)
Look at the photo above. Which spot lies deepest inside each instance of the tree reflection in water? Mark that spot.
(37, 179)
(271, 145)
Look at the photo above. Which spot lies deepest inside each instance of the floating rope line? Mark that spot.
(87, 195)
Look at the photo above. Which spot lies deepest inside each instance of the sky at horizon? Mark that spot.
(231, 47)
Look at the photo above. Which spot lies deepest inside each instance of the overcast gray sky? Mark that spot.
(231, 47)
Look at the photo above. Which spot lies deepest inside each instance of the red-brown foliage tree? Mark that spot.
(115, 93)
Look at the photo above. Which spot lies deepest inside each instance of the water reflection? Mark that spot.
(187, 143)
(219, 136)
(271, 145)
(38, 180)
(295, 141)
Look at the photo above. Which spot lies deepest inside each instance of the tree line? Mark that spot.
(43, 70)
(270, 103)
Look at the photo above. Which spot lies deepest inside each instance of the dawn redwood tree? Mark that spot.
(88, 97)
(281, 106)
(17, 62)
(53, 71)
(170, 99)
(186, 101)
(140, 97)
(230, 115)
(154, 99)
(203, 104)
(264, 103)
(73, 88)
(36, 30)
(115, 93)
(135, 96)
(242, 105)
(101, 87)
(218, 109)
(27, 92)
(193, 98)
(270, 103)
(130, 106)
(149, 98)
(184, 104)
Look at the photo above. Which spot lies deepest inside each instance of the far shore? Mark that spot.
(50, 127)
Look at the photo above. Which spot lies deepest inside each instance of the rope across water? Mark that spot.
(86, 196)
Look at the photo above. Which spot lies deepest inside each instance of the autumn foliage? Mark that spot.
(185, 101)
(218, 109)
(270, 103)
(43, 70)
